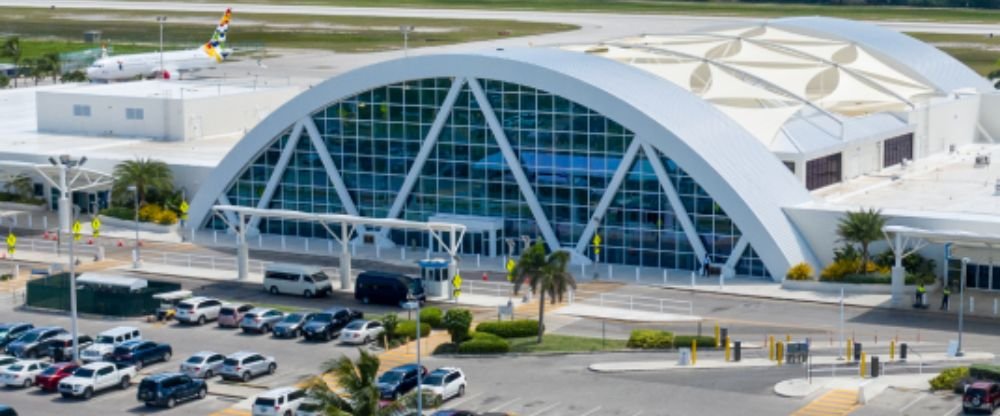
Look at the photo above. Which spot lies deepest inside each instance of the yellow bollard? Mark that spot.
(788, 338)
(694, 352)
(892, 350)
(850, 348)
(862, 366)
(770, 348)
(727, 348)
(779, 353)
(717, 332)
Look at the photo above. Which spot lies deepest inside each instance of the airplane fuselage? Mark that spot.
(148, 65)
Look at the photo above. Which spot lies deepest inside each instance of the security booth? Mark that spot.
(434, 275)
(168, 303)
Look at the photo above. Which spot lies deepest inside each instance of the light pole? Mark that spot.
(136, 260)
(161, 20)
(65, 163)
(405, 30)
(414, 304)
(961, 303)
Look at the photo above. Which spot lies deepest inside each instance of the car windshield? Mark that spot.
(320, 277)
(83, 372)
(226, 311)
(250, 316)
(390, 377)
(322, 317)
(232, 362)
(105, 339)
(3, 333)
(434, 380)
(29, 337)
(292, 318)
(50, 371)
(356, 325)
(122, 350)
(195, 360)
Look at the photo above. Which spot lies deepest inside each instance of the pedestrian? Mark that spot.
(921, 292)
(945, 293)
(705, 266)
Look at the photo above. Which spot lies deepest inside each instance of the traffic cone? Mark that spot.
(485, 277)
(121, 243)
(90, 241)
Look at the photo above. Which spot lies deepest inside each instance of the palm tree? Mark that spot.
(53, 65)
(143, 174)
(545, 275)
(862, 227)
(20, 185)
(12, 50)
(359, 382)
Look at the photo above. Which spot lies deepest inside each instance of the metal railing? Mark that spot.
(479, 287)
(634, 303)
(197, 261)
(52, 247)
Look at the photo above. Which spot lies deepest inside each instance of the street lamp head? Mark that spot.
(64, 159)
(52, 160)
(83, 159)
(406, 28)
(161, 18)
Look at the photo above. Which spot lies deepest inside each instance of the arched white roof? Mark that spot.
(745, 179)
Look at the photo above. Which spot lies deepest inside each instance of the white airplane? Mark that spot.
(148, 65)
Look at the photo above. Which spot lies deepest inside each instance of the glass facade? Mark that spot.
(568, 153)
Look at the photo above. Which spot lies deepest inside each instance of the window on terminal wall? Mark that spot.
(896, 149)
(81, 110)
(134, 114)
(823, 171)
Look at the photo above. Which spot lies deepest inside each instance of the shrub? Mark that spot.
(157, 214)
(446, 348)
(949, 378)
(408, 329)
(458, 321)
(836, 271)
(510, 329)
(121, 213)
(432, 316)
(650, 339)
(684, 341)
(390, 322)
(484, 343)
(166, 217)
(985, 372)
(5, 277)
(801, 271)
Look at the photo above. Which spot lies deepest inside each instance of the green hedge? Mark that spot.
(650, 339)
(408, 329)
(510, 329)
(985, 372)
(457, 321)
(950, 378)
(121, 213)
(484, 343)
(884, 279)
(432, 316)
(684, 341)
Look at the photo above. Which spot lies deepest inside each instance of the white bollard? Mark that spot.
(637, 275)
(378, 251)
(192, 236)
(995, 304)
(306, 244)
(722, 284)
(610, 274)
(972, 304)
(402, 253)
(282, 242)
(260, 240)
(478, 265)
(583, 270)
(664, 277)
(692, 279)
(215, 236)
(45, 222)
(329, 246)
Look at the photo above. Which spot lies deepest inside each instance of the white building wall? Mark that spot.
(944, 122)
(989, 116)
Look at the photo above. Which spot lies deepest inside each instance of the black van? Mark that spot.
(387, 288)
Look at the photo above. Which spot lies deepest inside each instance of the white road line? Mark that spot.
(465, 399)
(954, 410)
(545, 409)
(504, 405)
(919, 398)
(592, 411)
(637, 413)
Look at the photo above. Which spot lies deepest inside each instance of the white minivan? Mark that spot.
(296, 279)
(105, 343)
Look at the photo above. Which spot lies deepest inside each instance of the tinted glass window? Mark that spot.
(226, 311)
(231, 362)
(104, 371)
(320, 277)
(295, 395)
(261, 401)
(823, 171)
(194, 360)
(83, 372)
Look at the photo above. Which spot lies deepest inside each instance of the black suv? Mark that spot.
(326, 325)
(11, 331)
(399, 381)
(166, 389)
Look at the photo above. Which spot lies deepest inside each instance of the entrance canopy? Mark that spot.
(979, 248)
(80, 179)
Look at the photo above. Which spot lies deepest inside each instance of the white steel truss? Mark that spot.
(737, 253)
(609, 195)
(443, 114)
(331, 168)
(675, 201)
(279, 171)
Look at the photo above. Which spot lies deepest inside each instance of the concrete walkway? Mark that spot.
(817, 362)
(800, 387)
(603, 312)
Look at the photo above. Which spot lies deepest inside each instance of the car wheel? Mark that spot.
(201, 320)
(202, 393)
(171, 402)
(368, 339)
(265, 329)
(271, 368)
(27, 383)
(209, 374)
(274, 290)
(461, 391)
(307, 294)
(88, 393)
(125, 383)
(66, 395)
(245, 377)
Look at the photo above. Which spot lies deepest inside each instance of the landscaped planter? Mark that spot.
(866, 288)
(148, 227)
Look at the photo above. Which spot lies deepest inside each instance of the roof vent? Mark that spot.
(982, 161)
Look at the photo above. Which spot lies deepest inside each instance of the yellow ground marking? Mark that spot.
(839, 402)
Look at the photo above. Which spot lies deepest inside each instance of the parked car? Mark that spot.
(387, 288)
(399, 381)
(445, 382)
(455, 413)
(283, 401)
(140, 353)
(245, 365)
(12, 331)
(260, 320)
(231, 315)
(310, 407)
(105, 343)
(26, 346)
(291, 325)
(167, 389)
(326, 325)
(198, 310)
(981, 395)
(22, 374)
(296, 279)
(203, 364)
(7, 410)
(7, 361)
(60, 348)
(361, 332)
(49, 379)
(96, 377)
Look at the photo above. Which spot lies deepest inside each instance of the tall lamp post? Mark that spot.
(414, 304)
(961, 303)
(405, 30)
(65, 163)
(136, 260)
(161, 20)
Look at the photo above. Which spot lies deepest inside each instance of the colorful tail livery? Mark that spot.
(216, 48)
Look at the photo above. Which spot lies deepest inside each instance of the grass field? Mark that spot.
(50, 30)
(681, 7)
(564, 343)
(978, 52)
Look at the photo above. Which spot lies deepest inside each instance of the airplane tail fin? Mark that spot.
(216, 47)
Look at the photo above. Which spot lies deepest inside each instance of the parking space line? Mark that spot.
(637, 413)
(459, 402)
(954, 410)
(545, 409)
(591, 411)
(504, 405)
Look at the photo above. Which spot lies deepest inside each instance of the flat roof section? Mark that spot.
(174, 90)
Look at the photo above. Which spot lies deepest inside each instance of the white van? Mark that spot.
(296, 279)
(105, 343)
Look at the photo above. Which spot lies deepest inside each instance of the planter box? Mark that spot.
(832, 287)
(143, 226)
(17, 206)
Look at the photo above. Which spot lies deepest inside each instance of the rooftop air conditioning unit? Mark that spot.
(982, 161)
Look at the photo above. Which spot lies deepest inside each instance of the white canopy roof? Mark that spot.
(112, 280)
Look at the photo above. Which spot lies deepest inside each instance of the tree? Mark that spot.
(862, 227)
(545, 275)
(458, 321)
(4, 81)
(37, 68)
(143, 174)
(12, 50)
(75, 76)
(21, 185)
(53, 65)
(359, 382)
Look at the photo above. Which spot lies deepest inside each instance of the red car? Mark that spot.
(50, 378)
(981, 395)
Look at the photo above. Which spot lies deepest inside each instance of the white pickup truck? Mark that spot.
(95, 377)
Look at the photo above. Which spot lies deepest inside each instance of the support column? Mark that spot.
(345, 257)
(242, 250)
(493, 242)
(898, 272)
(452, 263)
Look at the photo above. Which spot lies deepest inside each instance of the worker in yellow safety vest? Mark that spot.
(921, 293)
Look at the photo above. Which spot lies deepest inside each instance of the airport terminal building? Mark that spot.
(739, 146)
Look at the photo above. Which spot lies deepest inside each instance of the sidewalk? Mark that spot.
(800, 387)
(715, 363)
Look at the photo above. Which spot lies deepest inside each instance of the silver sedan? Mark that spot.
(203, 364)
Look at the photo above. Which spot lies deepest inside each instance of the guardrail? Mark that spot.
(196, 261)
(52, 247)
(479, 287)
(634, 303)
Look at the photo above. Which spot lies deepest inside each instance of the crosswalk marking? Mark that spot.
(834, 403)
